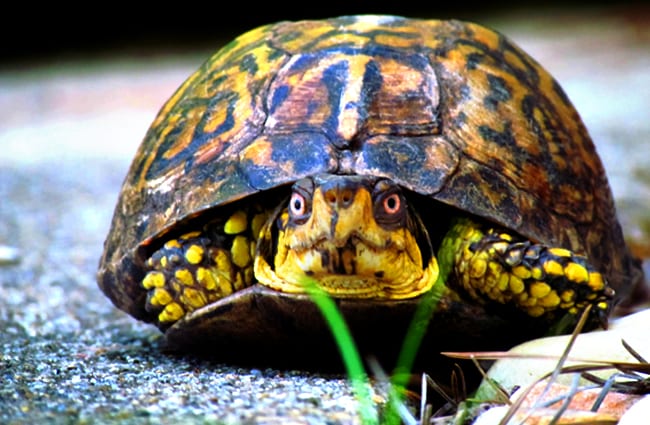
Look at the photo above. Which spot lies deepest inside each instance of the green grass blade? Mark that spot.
(410, 348)
(414, 335)
(349, 353)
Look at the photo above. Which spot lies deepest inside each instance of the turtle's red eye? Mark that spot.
(392, 204)
(297, 205)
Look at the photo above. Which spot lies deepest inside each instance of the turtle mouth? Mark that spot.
(347, 260)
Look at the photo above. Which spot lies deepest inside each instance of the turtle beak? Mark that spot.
(346, 216)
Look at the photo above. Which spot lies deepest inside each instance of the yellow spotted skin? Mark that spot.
(496, 267)
(344, 237)
(200, 267)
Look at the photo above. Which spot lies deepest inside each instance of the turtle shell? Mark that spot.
(451, 110)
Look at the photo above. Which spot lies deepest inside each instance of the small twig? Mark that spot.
(633, 352)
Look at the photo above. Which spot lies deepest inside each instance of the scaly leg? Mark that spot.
(200, 267)
(494, 266)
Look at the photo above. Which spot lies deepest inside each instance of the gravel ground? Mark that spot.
(67, 135)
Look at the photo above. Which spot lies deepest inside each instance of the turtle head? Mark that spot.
(354, 235)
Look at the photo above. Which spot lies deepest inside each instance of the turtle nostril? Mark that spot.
(339, 198)
(330, 197)
(346, 198)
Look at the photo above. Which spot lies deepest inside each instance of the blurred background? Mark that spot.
(56, 30)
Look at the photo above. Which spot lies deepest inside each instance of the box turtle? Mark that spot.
(373, 155)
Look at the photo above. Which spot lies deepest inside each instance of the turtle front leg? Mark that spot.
(494, 266)
(200, 267)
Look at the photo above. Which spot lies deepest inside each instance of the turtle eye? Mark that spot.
(392, 204)
(390, 208)
(297, 205)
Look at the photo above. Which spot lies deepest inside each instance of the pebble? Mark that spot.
(9, 255)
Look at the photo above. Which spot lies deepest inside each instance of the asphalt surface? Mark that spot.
(67, 134)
